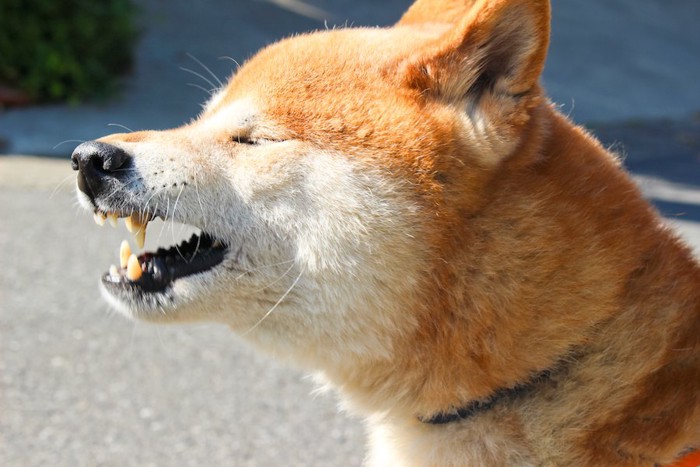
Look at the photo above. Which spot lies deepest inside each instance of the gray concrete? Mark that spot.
(80, 386)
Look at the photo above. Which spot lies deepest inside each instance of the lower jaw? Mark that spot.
(161, 304)
(150, 277)
(137, 304)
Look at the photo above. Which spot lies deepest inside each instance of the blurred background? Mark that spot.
(80, 386)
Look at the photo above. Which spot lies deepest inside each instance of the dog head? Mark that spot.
(332, 178)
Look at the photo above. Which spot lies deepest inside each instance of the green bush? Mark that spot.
(65, 50)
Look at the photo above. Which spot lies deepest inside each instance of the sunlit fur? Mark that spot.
(410, 218)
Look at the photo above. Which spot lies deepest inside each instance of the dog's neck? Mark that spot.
(478, 406)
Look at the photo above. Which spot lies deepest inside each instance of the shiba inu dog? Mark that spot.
(403, 211)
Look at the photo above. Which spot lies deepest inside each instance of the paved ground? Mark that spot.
(80, 386)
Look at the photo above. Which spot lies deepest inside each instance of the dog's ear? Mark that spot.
(436, 11)
(497, 50)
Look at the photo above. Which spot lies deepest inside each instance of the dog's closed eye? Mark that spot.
(245, 139)
(253, 141)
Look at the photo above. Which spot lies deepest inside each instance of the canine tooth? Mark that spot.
(99, 218)
(114, 272)
(217, 244)
(112, 218)
(133, 269)
(124, 253)
(136, 224)
(134, 221)
(140, 236)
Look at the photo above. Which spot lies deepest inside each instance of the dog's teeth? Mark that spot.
(140, 236)
(99, 218)
(124, 253)
(136, 224)
(133, 269)
(133, 222)
(112, 218)
(129, 223)
(217, 244)
(114, 272)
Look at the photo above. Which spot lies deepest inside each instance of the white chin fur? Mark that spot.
(83, 199)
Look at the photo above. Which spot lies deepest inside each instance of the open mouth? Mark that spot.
(152, 272)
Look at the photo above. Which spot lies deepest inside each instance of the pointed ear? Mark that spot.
(436, 11)
(498, 49)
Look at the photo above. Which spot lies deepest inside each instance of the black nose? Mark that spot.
(98, 165)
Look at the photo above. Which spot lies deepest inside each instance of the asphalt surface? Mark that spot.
(80, 386)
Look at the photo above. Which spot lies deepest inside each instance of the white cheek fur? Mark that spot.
(323, 239)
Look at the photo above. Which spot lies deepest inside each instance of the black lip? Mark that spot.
(162, 267)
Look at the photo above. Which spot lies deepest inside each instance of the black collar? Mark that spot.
(482, 405)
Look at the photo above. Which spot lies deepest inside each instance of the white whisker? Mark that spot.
(148, 201)
(199, 75)
(69, 141)
(275, 305)
(172, 229)
(221, 85)
(196, 248)
(208, 91)
(201, 206)
(284, 274)
(119, 125)
(60, 184)
(248, 271)
(166, 217)
(225, 57)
